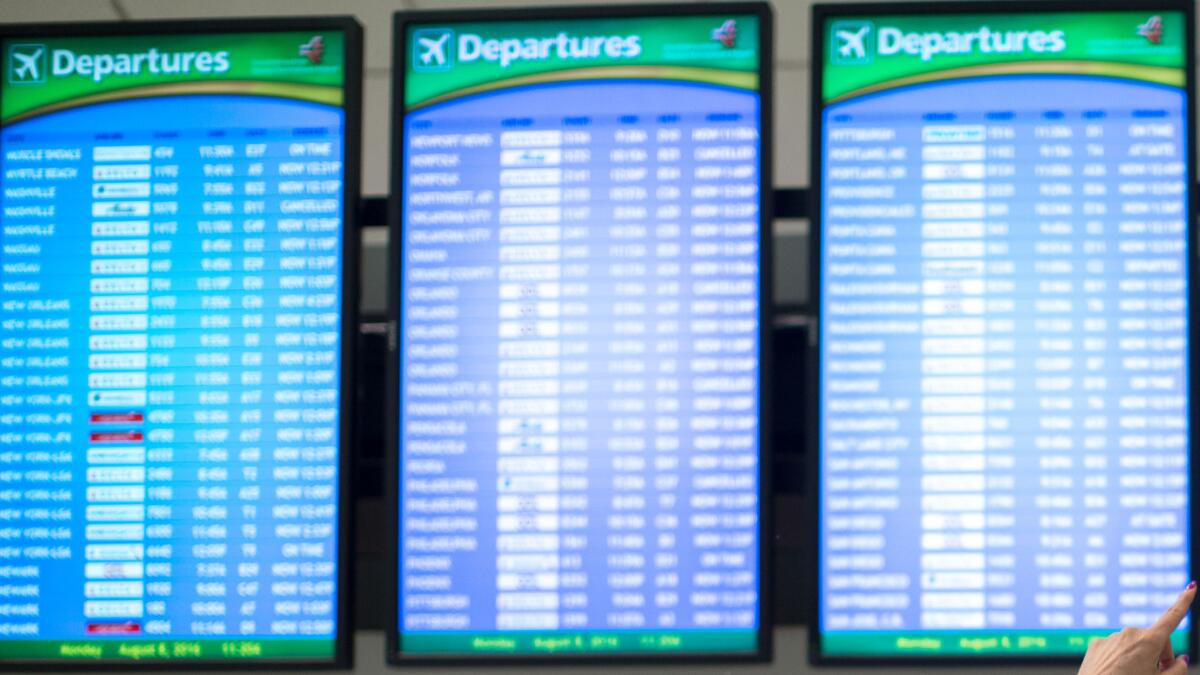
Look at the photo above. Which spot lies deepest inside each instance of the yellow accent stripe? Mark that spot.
(307, 92)
(1174, 77)
(727, 78)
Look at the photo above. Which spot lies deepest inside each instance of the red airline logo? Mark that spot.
(314, 49)
(1152, 30)
(726, 34)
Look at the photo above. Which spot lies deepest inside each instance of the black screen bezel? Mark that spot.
(821, 14)
(402, 20)
(351, 191)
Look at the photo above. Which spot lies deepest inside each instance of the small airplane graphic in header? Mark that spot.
(853, 43)
(726, 34)
(28, 67)
(1152, 30)
(314, 49)
(435, 50)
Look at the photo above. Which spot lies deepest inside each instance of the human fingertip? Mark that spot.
(1191, 585)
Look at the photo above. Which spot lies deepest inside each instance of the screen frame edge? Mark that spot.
(821, 12)
(351, 29)
(401, 20)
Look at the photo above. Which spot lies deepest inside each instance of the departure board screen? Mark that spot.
(578, 328)
(171, 316)
(1004, 336)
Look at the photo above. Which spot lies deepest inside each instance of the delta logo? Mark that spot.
(1152, 30)
(726, 34)
(314, 50)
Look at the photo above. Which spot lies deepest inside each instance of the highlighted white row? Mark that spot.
(528, 445)
(121, 172)
(120, 398)
(121, 153)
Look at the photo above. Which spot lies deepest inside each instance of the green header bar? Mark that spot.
(977, 643)
(43, 75)
(864, 54)
(457, 59)
(584, 642)
(149, 649)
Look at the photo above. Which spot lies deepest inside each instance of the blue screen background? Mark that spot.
(212, 568)
(1045, 576)
(595, 590)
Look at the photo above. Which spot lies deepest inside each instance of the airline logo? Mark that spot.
(726, 34)
(433, 50)
(314, 50)
(853, 42)
(27, 64)
(1152, 30)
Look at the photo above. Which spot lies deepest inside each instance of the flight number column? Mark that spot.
(577, 373)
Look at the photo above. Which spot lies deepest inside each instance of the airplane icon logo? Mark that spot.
(1152, 30)
(852, 41)
(431, 50)
(313, 50)
(27, 64)
(726, 34)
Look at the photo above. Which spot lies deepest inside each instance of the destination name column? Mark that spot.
(38, 419)
(871, 326)
(449, 341)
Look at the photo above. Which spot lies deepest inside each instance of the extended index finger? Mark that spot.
(1170, 619)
